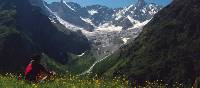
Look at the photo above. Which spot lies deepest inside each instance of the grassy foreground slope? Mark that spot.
(69, 81)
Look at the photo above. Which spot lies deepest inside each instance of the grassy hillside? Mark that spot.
(69, 81)
(13, 43)
(25, 30)
(79, 64)
(168, 48)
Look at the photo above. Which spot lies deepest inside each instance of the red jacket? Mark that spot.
(32, 70)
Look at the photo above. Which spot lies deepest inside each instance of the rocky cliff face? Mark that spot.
(91, 17)
(109, 28)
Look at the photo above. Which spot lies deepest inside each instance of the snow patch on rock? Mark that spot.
(92, 12)
(87, 20)
(133, 20)
(109, 27)
(140, 25)
(125, 40)
(67, 24)
(68, 5)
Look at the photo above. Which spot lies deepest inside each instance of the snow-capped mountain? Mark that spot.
(91, 17)
(100, 14)
(134, 14)
(105, 27)
(72, 13)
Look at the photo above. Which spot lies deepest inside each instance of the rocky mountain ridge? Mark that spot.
(105, 27)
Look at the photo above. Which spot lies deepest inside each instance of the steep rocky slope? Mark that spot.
(168, 48)
(25, 30)
(110, 28)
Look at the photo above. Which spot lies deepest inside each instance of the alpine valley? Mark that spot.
(141, 42)
(74, 37)
(107, 29)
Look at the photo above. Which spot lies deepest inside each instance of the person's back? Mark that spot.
(34, 69)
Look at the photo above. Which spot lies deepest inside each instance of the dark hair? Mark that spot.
(36, 57)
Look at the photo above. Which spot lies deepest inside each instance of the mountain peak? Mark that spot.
(141, 3)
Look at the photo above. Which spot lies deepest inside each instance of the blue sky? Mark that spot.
(112, 3)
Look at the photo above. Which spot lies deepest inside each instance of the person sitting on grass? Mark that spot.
(35, 72)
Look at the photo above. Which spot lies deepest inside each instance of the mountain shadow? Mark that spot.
(24, 30)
